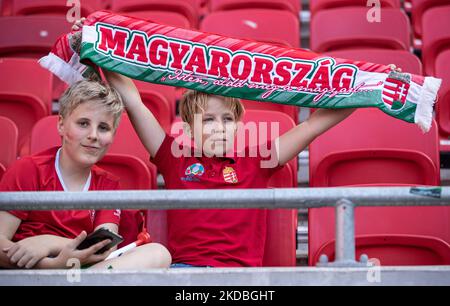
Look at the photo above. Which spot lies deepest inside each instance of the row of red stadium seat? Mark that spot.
(34, 36)
(189, 9)
(377, 150)
(331, 29)
(417, 10)
(344, 28)
(35, 99)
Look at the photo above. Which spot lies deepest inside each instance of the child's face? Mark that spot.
(216, 127)
(87, 133)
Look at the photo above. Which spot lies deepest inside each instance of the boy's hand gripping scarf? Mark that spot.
(240, 68)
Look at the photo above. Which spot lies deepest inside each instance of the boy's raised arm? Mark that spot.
(298, 138)
(147, 127)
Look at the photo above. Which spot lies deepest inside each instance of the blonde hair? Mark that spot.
(194, 102)
(91, 91)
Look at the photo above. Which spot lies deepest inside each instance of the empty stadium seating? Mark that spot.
(436, 37)
(370, 133)
(33, 37)
(318, 5)
(13, 72)
(405, 60)
(163, 17)
(287, 5)
(8, 143)
(24, 110)
(24, 102)
(395, 250)
(30, 36)
(443, 104)
(48, 7)
(187, 8)
(348, 28)
(264, 25)
(418, 9)
(372, 149)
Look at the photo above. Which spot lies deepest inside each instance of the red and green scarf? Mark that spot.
(240, 68)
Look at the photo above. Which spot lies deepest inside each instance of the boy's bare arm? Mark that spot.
(147, 127)
(297, 139)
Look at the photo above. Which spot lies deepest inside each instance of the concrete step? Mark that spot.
(295, 276)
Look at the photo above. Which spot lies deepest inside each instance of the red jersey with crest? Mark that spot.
(215, 237)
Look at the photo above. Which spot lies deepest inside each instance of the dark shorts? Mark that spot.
(183, 265)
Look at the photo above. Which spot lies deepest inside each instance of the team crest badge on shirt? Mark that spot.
(92, 213)
(229, 175)
(117, 213)
(193, 172)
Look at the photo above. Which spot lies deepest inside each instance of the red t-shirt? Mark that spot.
(38, 173)
(214, 237)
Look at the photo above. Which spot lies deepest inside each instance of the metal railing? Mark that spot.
(344, 199)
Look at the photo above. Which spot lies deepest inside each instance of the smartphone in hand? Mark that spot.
(98, 236)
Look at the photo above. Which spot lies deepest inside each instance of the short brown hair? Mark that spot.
(90, 90)
(194, 102)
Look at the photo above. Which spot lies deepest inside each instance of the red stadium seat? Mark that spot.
(318, 5)
(127, 141)
(160, 99)
(225, 5)
(8, 143)
(163, 17)
(371, 132)
(291, 111)
(281, 226)
(418, 9)
(33, 37)
(436, 37)
(24, 110)
(285, 124)
(443, 104)
(372, 149)
(405, 60)
(30, 36)
(15, 69)
(187, 8)
(281, 223)
(348, 28)
(132, 171)
(420, 249)
(48, 7)
(271, 26)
